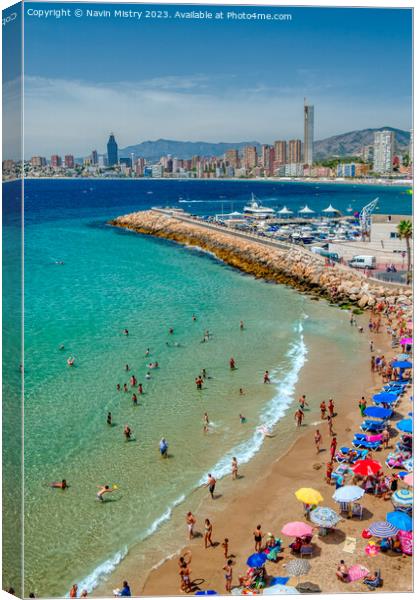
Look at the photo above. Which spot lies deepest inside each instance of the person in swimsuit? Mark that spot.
(62, 485)
(127, 368)
(127, 432)
(73, 591)
(184, 572)
(258, 535)
(208, 533)
(211, 485)
(134, 399)
(242, 419)
(229, 574)
(317, 440)
(232, 363)
(118, 387)
(148, 375)
(199, 382)
(190, 522)
(330, 424)
(104, 489)
(303, 402)
(224, 546)
(241, 392)
(234, 468)
(266, 378)
(125, 332)
(299, 416)
(140, 388)
(206, 423)
(241, 325)
(323, 409)
(125, 388)
(333, 448)
(331, 407)
(70, 361)
(109, 419)
(133, 381)
(147, 352)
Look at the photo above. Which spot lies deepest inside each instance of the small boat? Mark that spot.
(349, 209)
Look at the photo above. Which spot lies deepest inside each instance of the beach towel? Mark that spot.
(406, 542)
(350, 545)
(357, 572)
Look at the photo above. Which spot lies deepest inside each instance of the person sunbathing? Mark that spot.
(373, 580)
(342, 572)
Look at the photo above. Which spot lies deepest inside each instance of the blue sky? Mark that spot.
(218, 80)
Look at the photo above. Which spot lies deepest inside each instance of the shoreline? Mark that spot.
(275, 478)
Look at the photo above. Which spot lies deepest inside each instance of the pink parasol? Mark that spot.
(406, 341)
(408, 479)
(297, 529)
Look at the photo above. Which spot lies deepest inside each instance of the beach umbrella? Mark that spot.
(383, 529)
(408, 479)
(403, 356)
(296, 529)
(406, 341)
(378, 412)
(256, 560)
(306, 211)
(348, 493)
(401, 364)
(285, 211)
(402, 498)
(280, 589)
(366, 467)
(330, 210)
(298, 567)
(309, 496)
(405, 425)
(325, 517)
(400, 520)
(385, 397)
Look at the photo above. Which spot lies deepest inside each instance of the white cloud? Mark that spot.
(66, 116)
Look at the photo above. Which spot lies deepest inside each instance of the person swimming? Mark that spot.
(61, 347)
(125, 332)
(70, 361)
(104, 489)
(242, 418)
(148, 375)
(109, 419)
(62, 485)
(127, 432)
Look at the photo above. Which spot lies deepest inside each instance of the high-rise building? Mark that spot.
(69, 161)
(280, 152)
(94, 157)
(308, 133)
(232, 157)
(55, 160)
(383, 151)
(38, 161)
(250, 158)
(267, 158)
(112, 151)
(294, 151)
(367, 153)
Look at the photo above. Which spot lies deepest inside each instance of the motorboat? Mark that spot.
(255, 210)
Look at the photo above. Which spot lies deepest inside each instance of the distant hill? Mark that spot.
(345, 144)
(154, 150)
(351, 143)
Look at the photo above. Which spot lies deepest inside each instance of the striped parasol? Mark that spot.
(279, 589)
(348, 493)
(402, 497)
(382, 529)
(298, 567)
(325, 517)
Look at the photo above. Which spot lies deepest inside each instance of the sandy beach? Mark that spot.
(265, 495)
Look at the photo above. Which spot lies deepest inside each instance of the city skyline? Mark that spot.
(196, 72)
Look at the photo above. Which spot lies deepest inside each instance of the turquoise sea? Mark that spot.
(111, 280)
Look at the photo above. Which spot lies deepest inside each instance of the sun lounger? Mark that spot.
(306, 550)
(364, 444)
(375, 426)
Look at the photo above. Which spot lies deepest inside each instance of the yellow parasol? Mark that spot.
(308, 496)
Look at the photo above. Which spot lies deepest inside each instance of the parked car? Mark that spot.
(363, 262)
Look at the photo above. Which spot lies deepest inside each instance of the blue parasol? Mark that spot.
(385, 397)
(256, 560)
(206, 593)
(405, 425)
(401, 364)
(378, 412)
(383, 529)
(400, 519)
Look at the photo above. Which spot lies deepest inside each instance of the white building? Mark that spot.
(385, 243)
(294, 170)
(383, 151)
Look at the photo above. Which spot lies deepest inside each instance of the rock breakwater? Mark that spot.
(291, 266)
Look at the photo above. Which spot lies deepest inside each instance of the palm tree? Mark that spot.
(405, 231)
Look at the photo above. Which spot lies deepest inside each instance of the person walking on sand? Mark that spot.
(302, 402)
(258, 536)
(329, 471)
(299, 416)
(228, 568)
(330, 424)
(190, 522)
(333, 445)
(224, 546)
(266, 378)
(234, 468)
(185, 572)
(211, 484)
(317, 440)
(385, 436)
(208, 534)
(73, 591)
(362, 406)
(331, 407)
(323, 409)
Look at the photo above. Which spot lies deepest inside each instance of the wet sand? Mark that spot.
(265, 495)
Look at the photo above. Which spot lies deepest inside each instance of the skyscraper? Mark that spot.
(69, 161)
(55, 160)
(294, 151)
(308, 133)
(94, 157)
(112, 151)
(383, 151)
(250, 157)
(280, 152)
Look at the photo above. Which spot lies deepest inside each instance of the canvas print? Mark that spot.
(207, 299)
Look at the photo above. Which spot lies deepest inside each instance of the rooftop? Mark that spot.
(393, 219)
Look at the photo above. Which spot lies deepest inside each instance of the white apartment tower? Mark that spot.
(383, 151)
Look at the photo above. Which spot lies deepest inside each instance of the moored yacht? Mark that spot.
(255, 210)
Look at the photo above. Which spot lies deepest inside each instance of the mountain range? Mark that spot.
(345, 144)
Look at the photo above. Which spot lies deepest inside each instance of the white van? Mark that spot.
(363, 262)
